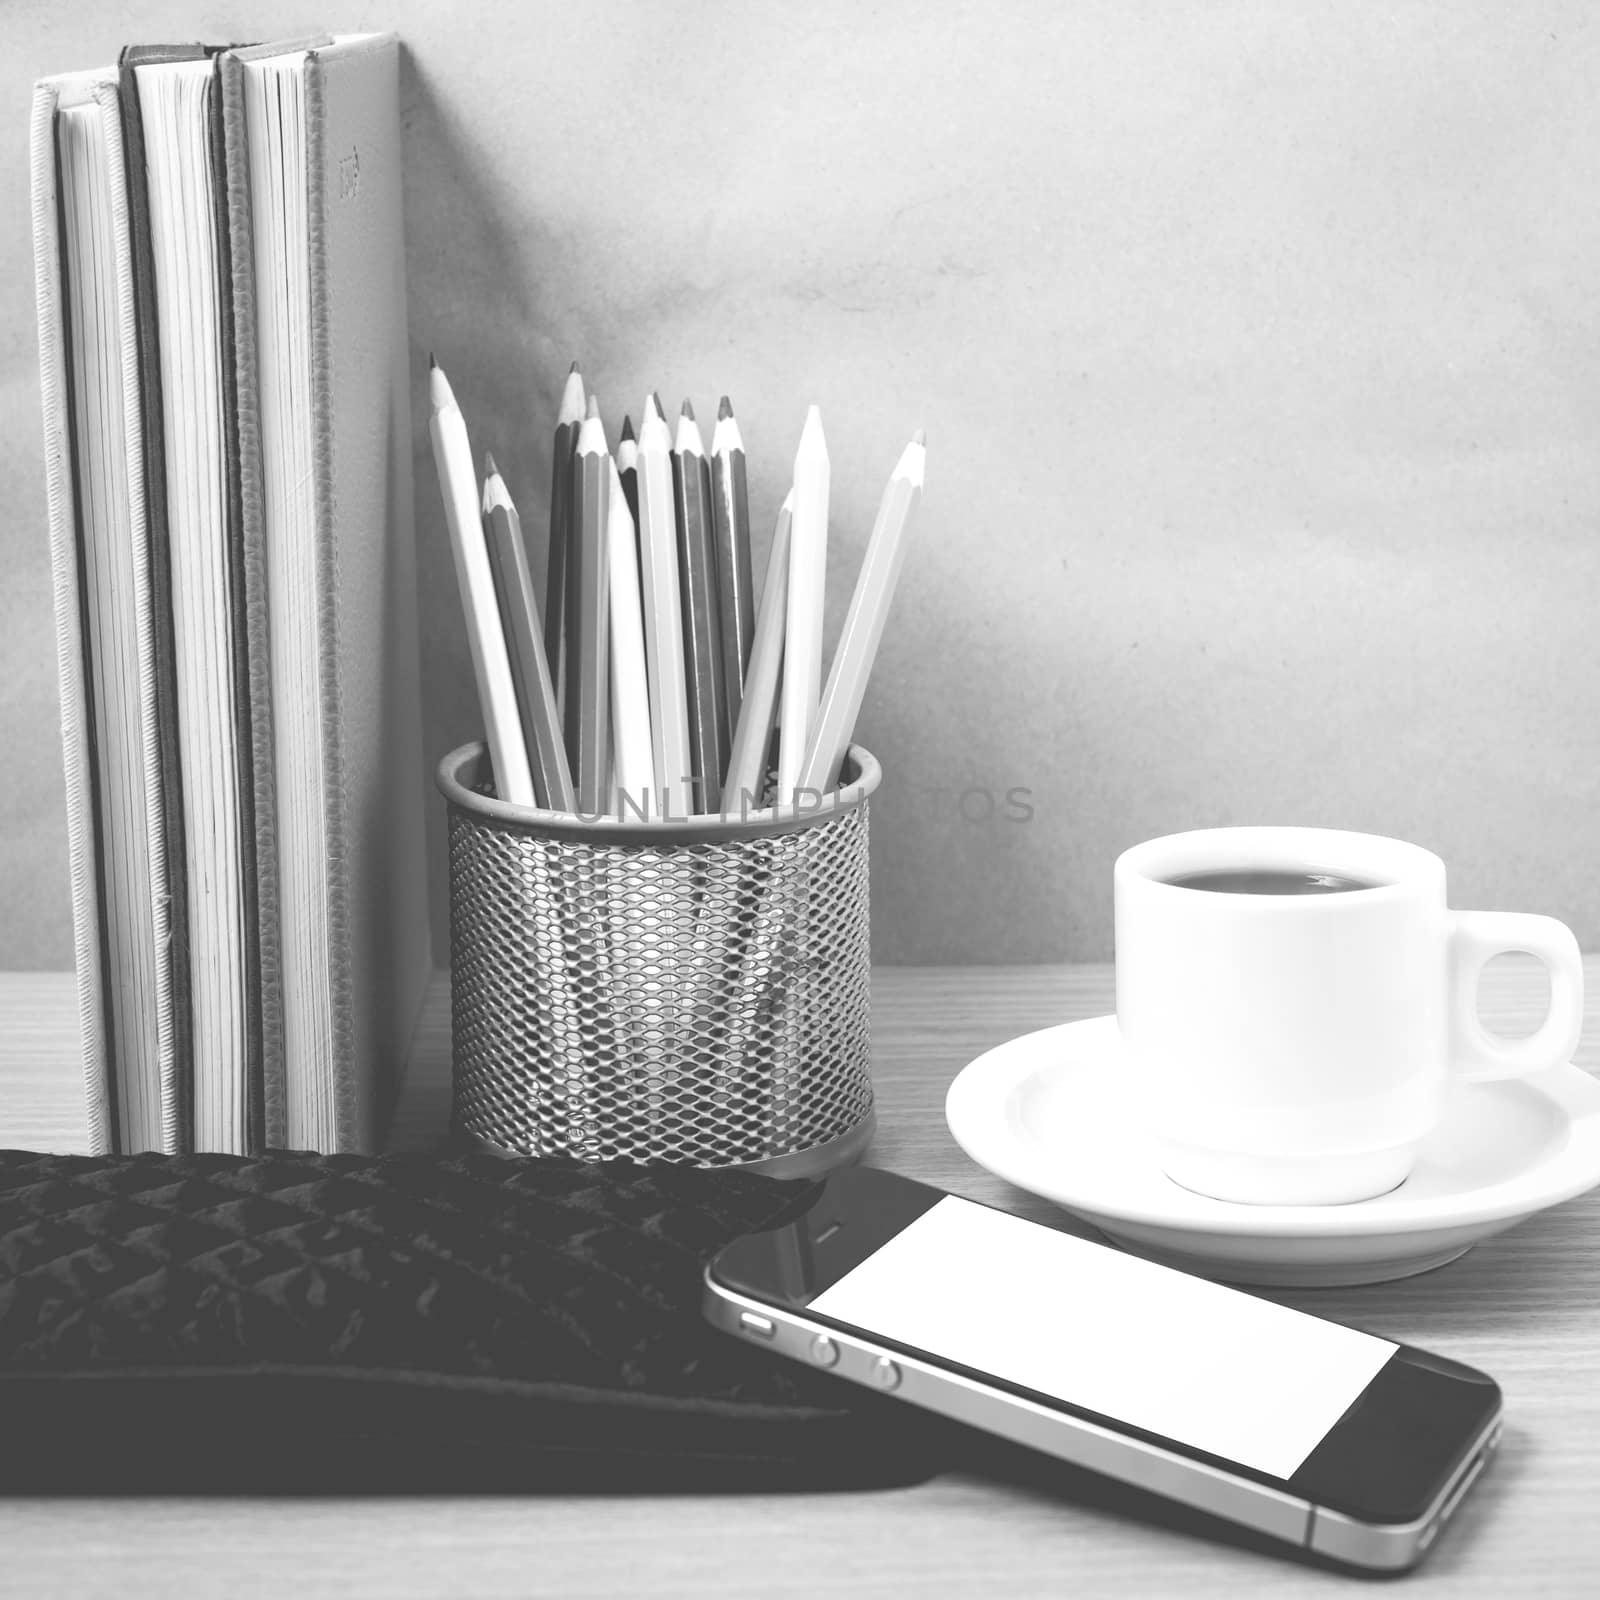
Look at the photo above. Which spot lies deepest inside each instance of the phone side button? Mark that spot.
(756, 1326)
(824, 1351)
(885, 1373)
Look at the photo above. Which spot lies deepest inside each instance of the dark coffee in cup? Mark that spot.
(1269, 880)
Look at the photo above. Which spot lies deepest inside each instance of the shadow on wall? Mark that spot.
(478, 302)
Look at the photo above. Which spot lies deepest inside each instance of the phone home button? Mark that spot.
(824, 1351)
(885, 1374)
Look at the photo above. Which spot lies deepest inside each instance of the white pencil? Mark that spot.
(863, 623)
(808, 563)
(747, 763)
(663, 616)
(491, 665)
(630, 691)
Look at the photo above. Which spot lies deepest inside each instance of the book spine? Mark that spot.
(351, 1095)
(173, 1107)
(238, 630)
(252, 569)
(76, 748)
(172, 951)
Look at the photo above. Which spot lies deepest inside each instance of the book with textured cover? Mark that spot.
(318, 128)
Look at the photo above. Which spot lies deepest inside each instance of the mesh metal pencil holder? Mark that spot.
(693, 990)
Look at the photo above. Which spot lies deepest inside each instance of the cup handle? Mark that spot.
(1476, 937)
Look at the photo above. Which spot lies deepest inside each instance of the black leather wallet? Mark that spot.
(296, 1323)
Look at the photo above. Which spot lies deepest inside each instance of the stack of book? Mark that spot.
(224, 363)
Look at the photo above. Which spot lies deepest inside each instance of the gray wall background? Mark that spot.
(1258, 348)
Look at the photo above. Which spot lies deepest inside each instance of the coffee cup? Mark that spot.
(1295, 1003)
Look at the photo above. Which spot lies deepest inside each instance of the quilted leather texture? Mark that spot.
(304, 1321)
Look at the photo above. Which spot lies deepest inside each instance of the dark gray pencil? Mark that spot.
(627, 458)
(730, 506)
(530, 668)
(588, 699)
(628, 466)
(555, 585)
(702, 643)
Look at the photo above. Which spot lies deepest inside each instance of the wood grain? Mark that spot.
(1525, 1306)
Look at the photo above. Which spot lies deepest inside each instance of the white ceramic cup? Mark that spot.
(1295, 1049)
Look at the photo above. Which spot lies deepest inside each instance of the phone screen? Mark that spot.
(1204, 1365)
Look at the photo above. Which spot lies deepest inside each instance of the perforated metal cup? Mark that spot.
(695, 989)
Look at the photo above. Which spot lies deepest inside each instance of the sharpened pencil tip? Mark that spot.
(593, 408)
(490, 470)
(627, 428)
(920, 437)
(688, 411)
(592, 435)
(571, 408)
(431, 362)
(811, 440)
(724, 409)
(440, 394)
(572, 369)
(655, 400)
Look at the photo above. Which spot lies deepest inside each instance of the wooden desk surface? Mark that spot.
(1525, 1306)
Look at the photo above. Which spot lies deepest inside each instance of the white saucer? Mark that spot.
(1048, 1112)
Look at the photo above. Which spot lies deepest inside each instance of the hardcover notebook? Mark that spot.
(314, 183)
(263, 279)
(105, 619)
(171, 132)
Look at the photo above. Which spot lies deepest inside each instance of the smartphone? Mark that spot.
(1327, 1438)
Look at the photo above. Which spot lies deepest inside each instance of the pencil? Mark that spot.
(627, 459)
(702, 643)
(663, 616)
(630, 693)
(628, 467)
(802, 647)
(544, 918)
(555, 587)
(530, 669)
(497, 698)
(676, 929)
(730, 506)
(588, 621)
(747, 762)
(863, 623)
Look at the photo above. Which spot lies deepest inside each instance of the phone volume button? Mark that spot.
(824, 1351)
(885, 1373)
